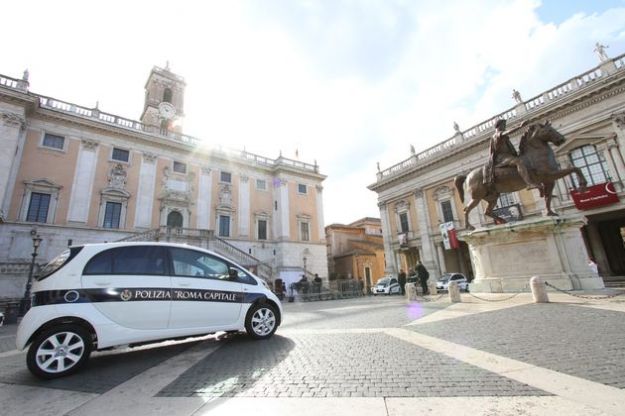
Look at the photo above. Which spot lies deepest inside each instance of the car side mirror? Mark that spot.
(233, 274)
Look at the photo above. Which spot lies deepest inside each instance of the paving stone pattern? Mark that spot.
(579, 341)
(102, 372)
(7, 337)
(349, 365)
(394, 312)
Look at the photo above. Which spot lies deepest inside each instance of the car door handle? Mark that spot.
(103, 283)
(184, 284)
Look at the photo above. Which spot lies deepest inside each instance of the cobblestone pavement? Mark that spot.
(582, 342)
(511, 357)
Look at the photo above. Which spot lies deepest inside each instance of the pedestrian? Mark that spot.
(402, 281)
(594, 269)
(423, 275)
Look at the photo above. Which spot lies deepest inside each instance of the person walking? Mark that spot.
(402, 281)
(423, 275)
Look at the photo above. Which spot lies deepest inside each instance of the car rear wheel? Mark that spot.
(59, 351)
(261, 321)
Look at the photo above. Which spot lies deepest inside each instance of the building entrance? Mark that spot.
(605, 239)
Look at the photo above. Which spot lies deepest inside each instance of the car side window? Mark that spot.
(141, 260)
(393, 281)
(191, 263)
(243, 277)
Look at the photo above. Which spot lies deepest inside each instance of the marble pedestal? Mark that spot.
(505, 257)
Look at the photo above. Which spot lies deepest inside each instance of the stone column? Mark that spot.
(205, 193)
(441, 258)
(281, 215)
(244, 206)
(82, 186)
(387, 238)
(145, 191)
(320, 219)
(423, 221)
(618, 121)
(617, 160)
(12, 137)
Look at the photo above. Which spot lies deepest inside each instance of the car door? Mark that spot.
(203, 294)
(130, 285)
(393, 286)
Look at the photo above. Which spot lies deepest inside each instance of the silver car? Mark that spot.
(443, 282)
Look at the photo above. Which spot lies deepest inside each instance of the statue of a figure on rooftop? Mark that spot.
(517, 96)
(600, 50)
(456, 127)
(25, 75)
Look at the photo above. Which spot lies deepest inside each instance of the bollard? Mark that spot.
(539, 290)
(432, 287)
(454, 292)
(411, 291)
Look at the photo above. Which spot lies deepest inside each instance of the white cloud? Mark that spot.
(347, 83)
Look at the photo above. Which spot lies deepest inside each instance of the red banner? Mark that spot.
(595, 196)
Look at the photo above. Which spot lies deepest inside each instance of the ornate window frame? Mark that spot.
(264, 216)
(54, 149)
(44, 186)
(441, 195)
(304, 219)
(402, 207)
(119, 196)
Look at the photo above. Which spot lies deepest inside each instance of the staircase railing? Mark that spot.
(221, 246)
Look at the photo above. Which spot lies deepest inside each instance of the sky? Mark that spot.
(345, 83)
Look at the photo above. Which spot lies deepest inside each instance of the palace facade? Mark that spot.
(75, 175)
(356, 251)
(420, 207)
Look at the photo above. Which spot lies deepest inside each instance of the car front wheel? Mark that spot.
(261, 321)
(59, 351)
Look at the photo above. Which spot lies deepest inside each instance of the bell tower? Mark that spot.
(164, 100)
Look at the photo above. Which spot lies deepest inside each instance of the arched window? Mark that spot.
(592, 164)
(174, 219)
(167, 94)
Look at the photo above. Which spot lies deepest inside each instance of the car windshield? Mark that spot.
(383, 282)
(444, 278)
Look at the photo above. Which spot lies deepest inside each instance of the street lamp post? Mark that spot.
(25, 303)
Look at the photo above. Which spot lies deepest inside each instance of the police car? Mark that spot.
(99, 296)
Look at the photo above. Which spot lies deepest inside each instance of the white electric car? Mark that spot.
(100, 296)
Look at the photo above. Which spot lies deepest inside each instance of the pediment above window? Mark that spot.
(42, 184)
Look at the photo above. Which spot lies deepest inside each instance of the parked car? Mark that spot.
(1, 319)
(386, 286)
(443, 282)
(100, 296)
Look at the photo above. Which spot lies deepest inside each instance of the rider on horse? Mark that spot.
(502, 153)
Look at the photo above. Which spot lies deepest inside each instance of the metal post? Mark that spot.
(25, 303)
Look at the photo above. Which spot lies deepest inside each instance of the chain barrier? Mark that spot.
(424, 299)
(568, 292)
(524, 290)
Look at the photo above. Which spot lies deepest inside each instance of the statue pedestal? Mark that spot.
(505, 257)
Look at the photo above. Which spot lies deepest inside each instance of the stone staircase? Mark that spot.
(208, 240)
(614, 281)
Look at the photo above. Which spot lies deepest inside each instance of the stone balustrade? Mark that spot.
(50, 103)
(474, 133)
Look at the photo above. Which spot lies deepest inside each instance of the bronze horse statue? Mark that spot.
(536, 153)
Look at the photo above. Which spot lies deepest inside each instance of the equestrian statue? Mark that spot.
(534, 166)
